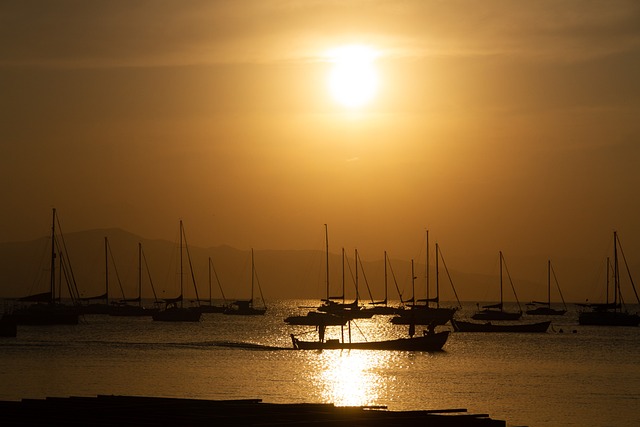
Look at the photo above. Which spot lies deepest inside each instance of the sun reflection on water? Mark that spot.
(351, 378)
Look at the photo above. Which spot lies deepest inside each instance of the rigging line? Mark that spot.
(193, 277)
(365, 278)
(511, 282)
(449, 276)
(115, 268)
(259, 287)
(66, 254)
(146, 264)
(627, 268)
(352, 277)
(359, 330)
(215, 273)
(395, 282)
(553, 272)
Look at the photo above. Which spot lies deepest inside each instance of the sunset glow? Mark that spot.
(353, 80)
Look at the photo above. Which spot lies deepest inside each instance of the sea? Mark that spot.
(570, 376)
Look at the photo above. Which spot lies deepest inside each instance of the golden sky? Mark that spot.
(497, 125)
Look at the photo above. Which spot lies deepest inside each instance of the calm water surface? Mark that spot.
(587, 378)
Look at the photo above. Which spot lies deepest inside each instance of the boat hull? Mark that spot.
(496, 315)
(177, 314)
(461, 326)
(316, 319)
(546, 311)
(608, 318)
(428, 342)
(424, 316)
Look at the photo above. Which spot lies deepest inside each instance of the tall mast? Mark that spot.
(437, 277)
(252, 275)
(106, 265)
(616, 271)
(549, 283)
(343, 276)
(608, 274)
(181, 296)
(209, 265)
(326, 242)
(427, 268)
(356, 261)
(53, 258)
(500, 280)
(413, 285)
(386, 291)
(139, 274)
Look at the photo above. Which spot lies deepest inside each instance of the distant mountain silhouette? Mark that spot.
(282, 273)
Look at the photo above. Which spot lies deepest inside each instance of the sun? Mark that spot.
(353, 80)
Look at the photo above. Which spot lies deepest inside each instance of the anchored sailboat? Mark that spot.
(174, 310)
(496, 311)
(47, 308)
(612, 314)
(247, 307)
(544, 308)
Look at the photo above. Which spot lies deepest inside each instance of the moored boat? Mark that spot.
(427, 342)
(496, 311)
(462, 326)
(612, 314)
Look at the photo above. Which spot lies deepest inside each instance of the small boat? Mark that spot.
(611, 313)
(427, 342)
(174, 312)
(544, 308)
(246, 307)
(462, 326)
(496, 311)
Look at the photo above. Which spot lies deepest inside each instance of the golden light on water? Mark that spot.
(351, 378)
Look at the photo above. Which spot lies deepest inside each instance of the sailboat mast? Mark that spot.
(326, 243)
(356, 261)
(437, 276)
(500, 280)
(139, 274)
(386, 291)
(52, 279)
(252, 276)
(106, 265)
(343, 276)
(181, 296)
(209, 265)
(549, 283)
(427, 268)
(616, 271)
(413, 285)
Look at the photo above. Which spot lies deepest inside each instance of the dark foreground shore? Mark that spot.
(123, 411)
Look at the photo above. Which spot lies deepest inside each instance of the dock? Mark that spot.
(140, 411)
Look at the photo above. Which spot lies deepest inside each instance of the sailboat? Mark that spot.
(426, 314)
(496, 311)
(316, 317)
(383, 307)
(47, 308)
(246, 307)
(174, 310)
(207, 306)
(122, 308)
(98, 307)
(544, 308)
(612, 314)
